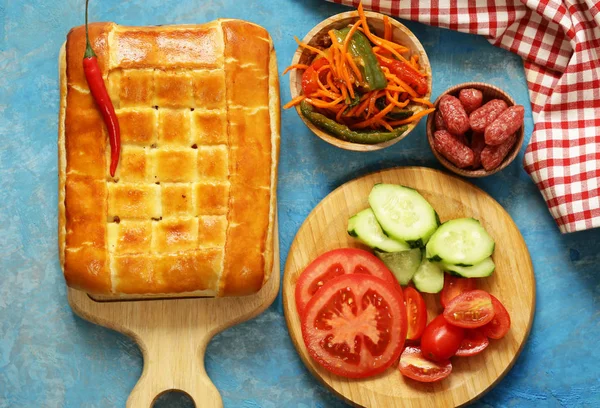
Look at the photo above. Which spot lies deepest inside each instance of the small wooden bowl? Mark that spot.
(317, 36)
(489, 92)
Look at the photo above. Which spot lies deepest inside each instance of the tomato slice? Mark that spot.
(498, 327)
(416, 313)
(310, 77)
(414, 365)
(454, 286)
(355, 325)
(470, 310)
(335, 263)
(473, 343)
(441, 340)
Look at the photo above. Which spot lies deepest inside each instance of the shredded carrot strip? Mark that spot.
(407, 88)
(335, 50)
(323, 68)
(341, 59)
(321, 104)
(313, 49)
(394, 88)
(365, 96)
(350, 35)
(338, 116)
(354, 67)
(352, 111)
(387, 28)
(294, 101)
(321, 85)
(385, 59)
(344, 90)
(337, 108)
(414, 117)
(415, 63)
(423, 101)
(397, 47)
(361, 108)
(380, 41)
(394, 100)
(330, 82)
(386, 125)
(349, 82)
(382, 52)
(418, 66)
(326, 94)
(412, 63)
(377, 117)
(372, 100)
(295, 66)
(392, 79)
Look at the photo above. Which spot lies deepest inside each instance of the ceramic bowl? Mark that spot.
(318, 37)
(489, 92)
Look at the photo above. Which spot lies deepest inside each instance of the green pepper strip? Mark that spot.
(343, 132)
(362, 52)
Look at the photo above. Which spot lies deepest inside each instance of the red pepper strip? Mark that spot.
(406, 73)
(309, 77)
(93, 75)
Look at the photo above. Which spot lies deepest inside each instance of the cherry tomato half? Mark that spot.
(454, 286)
(335, 263)
(414, 365)
(440, 339)
(355, 325)
(498, 327)
(310, 77)
(416, 313)
(470, 310)
(473, 343)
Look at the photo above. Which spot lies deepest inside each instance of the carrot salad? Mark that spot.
(364, 81)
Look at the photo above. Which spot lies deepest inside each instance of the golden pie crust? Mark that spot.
(191, 209)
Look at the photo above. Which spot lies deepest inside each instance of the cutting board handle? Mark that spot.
(174, 364)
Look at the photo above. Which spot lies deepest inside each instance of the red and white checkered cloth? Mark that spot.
(560, 44)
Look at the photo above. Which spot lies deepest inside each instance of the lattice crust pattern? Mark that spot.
(190, 208)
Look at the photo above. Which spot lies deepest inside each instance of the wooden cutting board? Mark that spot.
(173, 335)
(513, 283)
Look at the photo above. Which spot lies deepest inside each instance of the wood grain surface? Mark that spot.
(173, 335)
(513, 283)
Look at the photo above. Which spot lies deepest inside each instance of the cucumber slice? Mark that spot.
(403, 213)
(461, 242)
(429, 278)
(365, 227)
(480, 270)
(402, 264)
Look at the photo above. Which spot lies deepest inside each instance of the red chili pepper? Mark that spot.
(93, 75)
(406, 73)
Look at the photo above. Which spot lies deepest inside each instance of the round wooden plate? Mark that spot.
(513, 283)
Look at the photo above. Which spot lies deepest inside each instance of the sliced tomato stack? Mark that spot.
(335, 263)
(352, 311)
(356, 317)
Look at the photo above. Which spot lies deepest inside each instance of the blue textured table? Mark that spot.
(50, 357)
